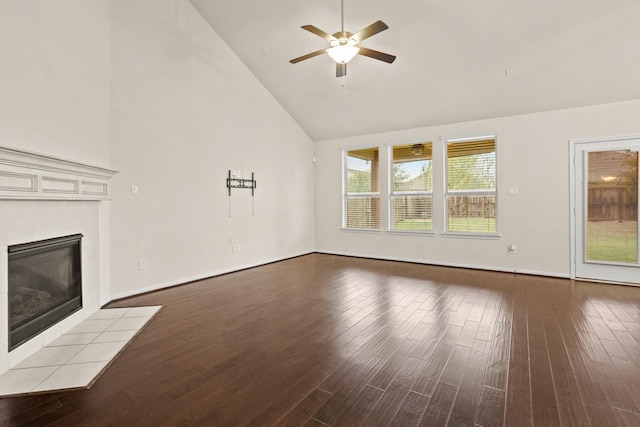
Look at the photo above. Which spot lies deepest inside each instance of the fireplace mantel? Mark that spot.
(30, 176)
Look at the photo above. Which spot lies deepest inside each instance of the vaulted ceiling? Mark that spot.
(457, 60)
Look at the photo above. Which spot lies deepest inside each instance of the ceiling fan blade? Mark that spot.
(376, 55)
(341, 70)
(369, 31)
(307, 56)
(318, 32)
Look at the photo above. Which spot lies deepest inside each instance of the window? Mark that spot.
(361, 189)
(411, 198)
(471, 185)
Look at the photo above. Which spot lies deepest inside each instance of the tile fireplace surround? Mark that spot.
(42, 197)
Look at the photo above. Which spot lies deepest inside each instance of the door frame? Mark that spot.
(574, 187)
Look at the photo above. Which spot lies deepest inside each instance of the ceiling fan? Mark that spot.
(345, 45)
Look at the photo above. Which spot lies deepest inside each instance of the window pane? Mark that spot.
(363, 212)
(471, 165)
(471, 186)
(612, 198)
(362, 202)
(411, 202)
(411, 212)
(412, 166)
(362, 171)
(475, 214)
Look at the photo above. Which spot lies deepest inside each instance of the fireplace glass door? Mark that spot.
(45, 285)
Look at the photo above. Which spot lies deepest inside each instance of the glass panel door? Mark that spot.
(612, 206)
(607, 211)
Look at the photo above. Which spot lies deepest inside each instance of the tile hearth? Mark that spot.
(76, 358)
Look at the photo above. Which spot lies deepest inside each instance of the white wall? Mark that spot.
(533, 155)
(55, 78)
(185, 110)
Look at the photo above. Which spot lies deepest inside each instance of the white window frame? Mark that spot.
(447, 192)
(393, 193)
(347, 195)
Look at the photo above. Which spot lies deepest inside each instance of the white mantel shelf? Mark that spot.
(31, 176)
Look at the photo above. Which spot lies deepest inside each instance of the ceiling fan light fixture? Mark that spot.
(344, 45)
(343, 53)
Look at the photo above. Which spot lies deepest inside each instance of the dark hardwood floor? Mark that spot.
(327, 340)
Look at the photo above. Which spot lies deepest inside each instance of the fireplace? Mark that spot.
(43, 196)
(45, 285)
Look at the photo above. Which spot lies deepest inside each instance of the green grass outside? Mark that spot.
(472, 225)
(413, 224)
(477, 225)
(612, 241)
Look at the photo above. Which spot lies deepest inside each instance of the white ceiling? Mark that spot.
(457, 60)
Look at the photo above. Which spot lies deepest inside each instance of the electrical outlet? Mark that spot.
(134, 189)
(142, 264)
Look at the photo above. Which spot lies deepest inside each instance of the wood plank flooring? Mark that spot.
(324, 340)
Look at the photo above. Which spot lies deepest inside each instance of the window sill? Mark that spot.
(484, 236)
(428, 233)
(361, 230)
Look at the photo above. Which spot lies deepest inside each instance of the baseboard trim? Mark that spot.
(453, 265)
(186, 281)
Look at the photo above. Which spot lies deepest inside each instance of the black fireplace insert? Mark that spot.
(45, 285)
